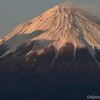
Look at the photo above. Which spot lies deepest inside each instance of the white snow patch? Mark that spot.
(39, 52)
(29, 53)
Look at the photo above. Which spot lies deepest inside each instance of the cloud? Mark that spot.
(91, 8)
(68, 4)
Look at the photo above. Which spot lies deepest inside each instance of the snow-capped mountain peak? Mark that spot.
(51, 53)
(57, 26)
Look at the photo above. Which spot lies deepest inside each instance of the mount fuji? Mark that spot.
(54, 53)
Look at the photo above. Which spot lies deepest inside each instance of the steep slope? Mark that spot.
(54, 28)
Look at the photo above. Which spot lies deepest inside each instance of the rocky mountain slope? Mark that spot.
(54, 51)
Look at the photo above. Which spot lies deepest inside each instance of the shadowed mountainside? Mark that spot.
(45, 76)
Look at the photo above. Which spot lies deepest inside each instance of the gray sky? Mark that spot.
(14, 12)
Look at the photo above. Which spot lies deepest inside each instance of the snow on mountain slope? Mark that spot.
(57, 26)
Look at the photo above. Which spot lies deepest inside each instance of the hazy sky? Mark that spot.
(14, 12)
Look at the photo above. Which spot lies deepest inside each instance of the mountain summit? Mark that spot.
(63, 43)
(57, 26)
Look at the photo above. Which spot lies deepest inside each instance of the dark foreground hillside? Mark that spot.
(38, 78)
(49, 88)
